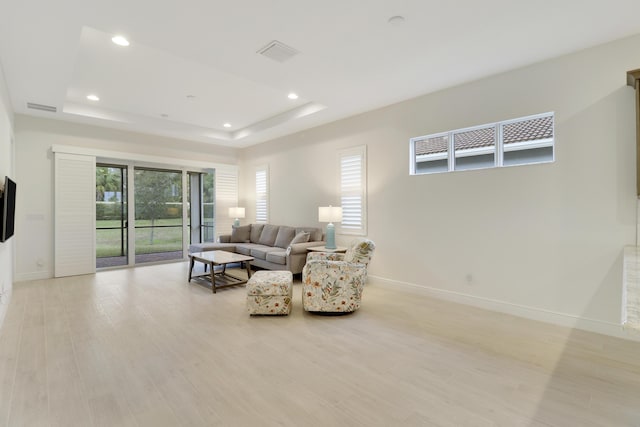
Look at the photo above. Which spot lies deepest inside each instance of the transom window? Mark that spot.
(520, 141)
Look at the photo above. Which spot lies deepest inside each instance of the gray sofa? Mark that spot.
(274, 247)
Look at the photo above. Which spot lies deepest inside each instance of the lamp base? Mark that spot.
(331, 237)
(236, 222)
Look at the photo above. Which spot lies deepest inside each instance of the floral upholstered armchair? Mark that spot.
(333, 282)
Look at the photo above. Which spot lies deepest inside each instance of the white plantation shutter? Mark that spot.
(353, 190)
(226, 182)
(262, 194)
(74, 215)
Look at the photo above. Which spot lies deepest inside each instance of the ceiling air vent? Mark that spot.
(41, 107)
(278, 51)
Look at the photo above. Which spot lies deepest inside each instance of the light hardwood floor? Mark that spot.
(141, 347)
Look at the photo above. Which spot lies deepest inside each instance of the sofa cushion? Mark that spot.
(315, 234)
(284, 237)
(277, 257)
(269, 234)
(240, 234)
(301, 237)
(245, 248)
(260, 252)
(256, 231)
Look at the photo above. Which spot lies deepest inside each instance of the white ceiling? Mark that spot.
(193, 65)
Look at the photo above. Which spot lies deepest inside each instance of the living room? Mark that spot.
(542, 242)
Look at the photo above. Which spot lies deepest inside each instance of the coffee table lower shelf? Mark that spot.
(220, 279)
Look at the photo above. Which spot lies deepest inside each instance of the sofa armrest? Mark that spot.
(224, 238)
(301, 248)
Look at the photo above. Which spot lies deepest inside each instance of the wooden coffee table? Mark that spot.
(219, 279)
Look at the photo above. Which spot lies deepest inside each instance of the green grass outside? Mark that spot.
(164, 239)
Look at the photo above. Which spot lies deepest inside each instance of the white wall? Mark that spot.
(543, 241)
(34, 167)
(6, 168)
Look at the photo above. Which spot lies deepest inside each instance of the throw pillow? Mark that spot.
(301, 237)
(315, 234)
(285, 234)
(240, 234)
(268, 235)
(256, 231)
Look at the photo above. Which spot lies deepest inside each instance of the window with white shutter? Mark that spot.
(226, 196)
(353, 190)
(262, 194)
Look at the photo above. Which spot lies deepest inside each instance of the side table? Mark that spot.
(339, 249)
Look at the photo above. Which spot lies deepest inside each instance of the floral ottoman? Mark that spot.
(269, 292)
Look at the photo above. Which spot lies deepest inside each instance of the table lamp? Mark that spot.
(330, 214)
(236, 213)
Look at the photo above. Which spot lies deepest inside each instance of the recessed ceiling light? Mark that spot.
(120, 41)
(292, 96)
(191, 96)
(396, 20)
(93, 97)
(164, 115)
(227, 125)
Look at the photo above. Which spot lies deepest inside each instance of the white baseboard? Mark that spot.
(533, 313)
(35, 275)
(3, 310)
(4, 304)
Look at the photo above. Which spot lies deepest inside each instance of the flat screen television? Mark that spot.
(8, 206)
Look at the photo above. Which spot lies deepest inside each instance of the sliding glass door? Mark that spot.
(157, 232)
(208, 207)
(201, 207)
(158, 215)
(111, 216)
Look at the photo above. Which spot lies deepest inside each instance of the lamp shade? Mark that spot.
(329, 213)
(236, 212)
